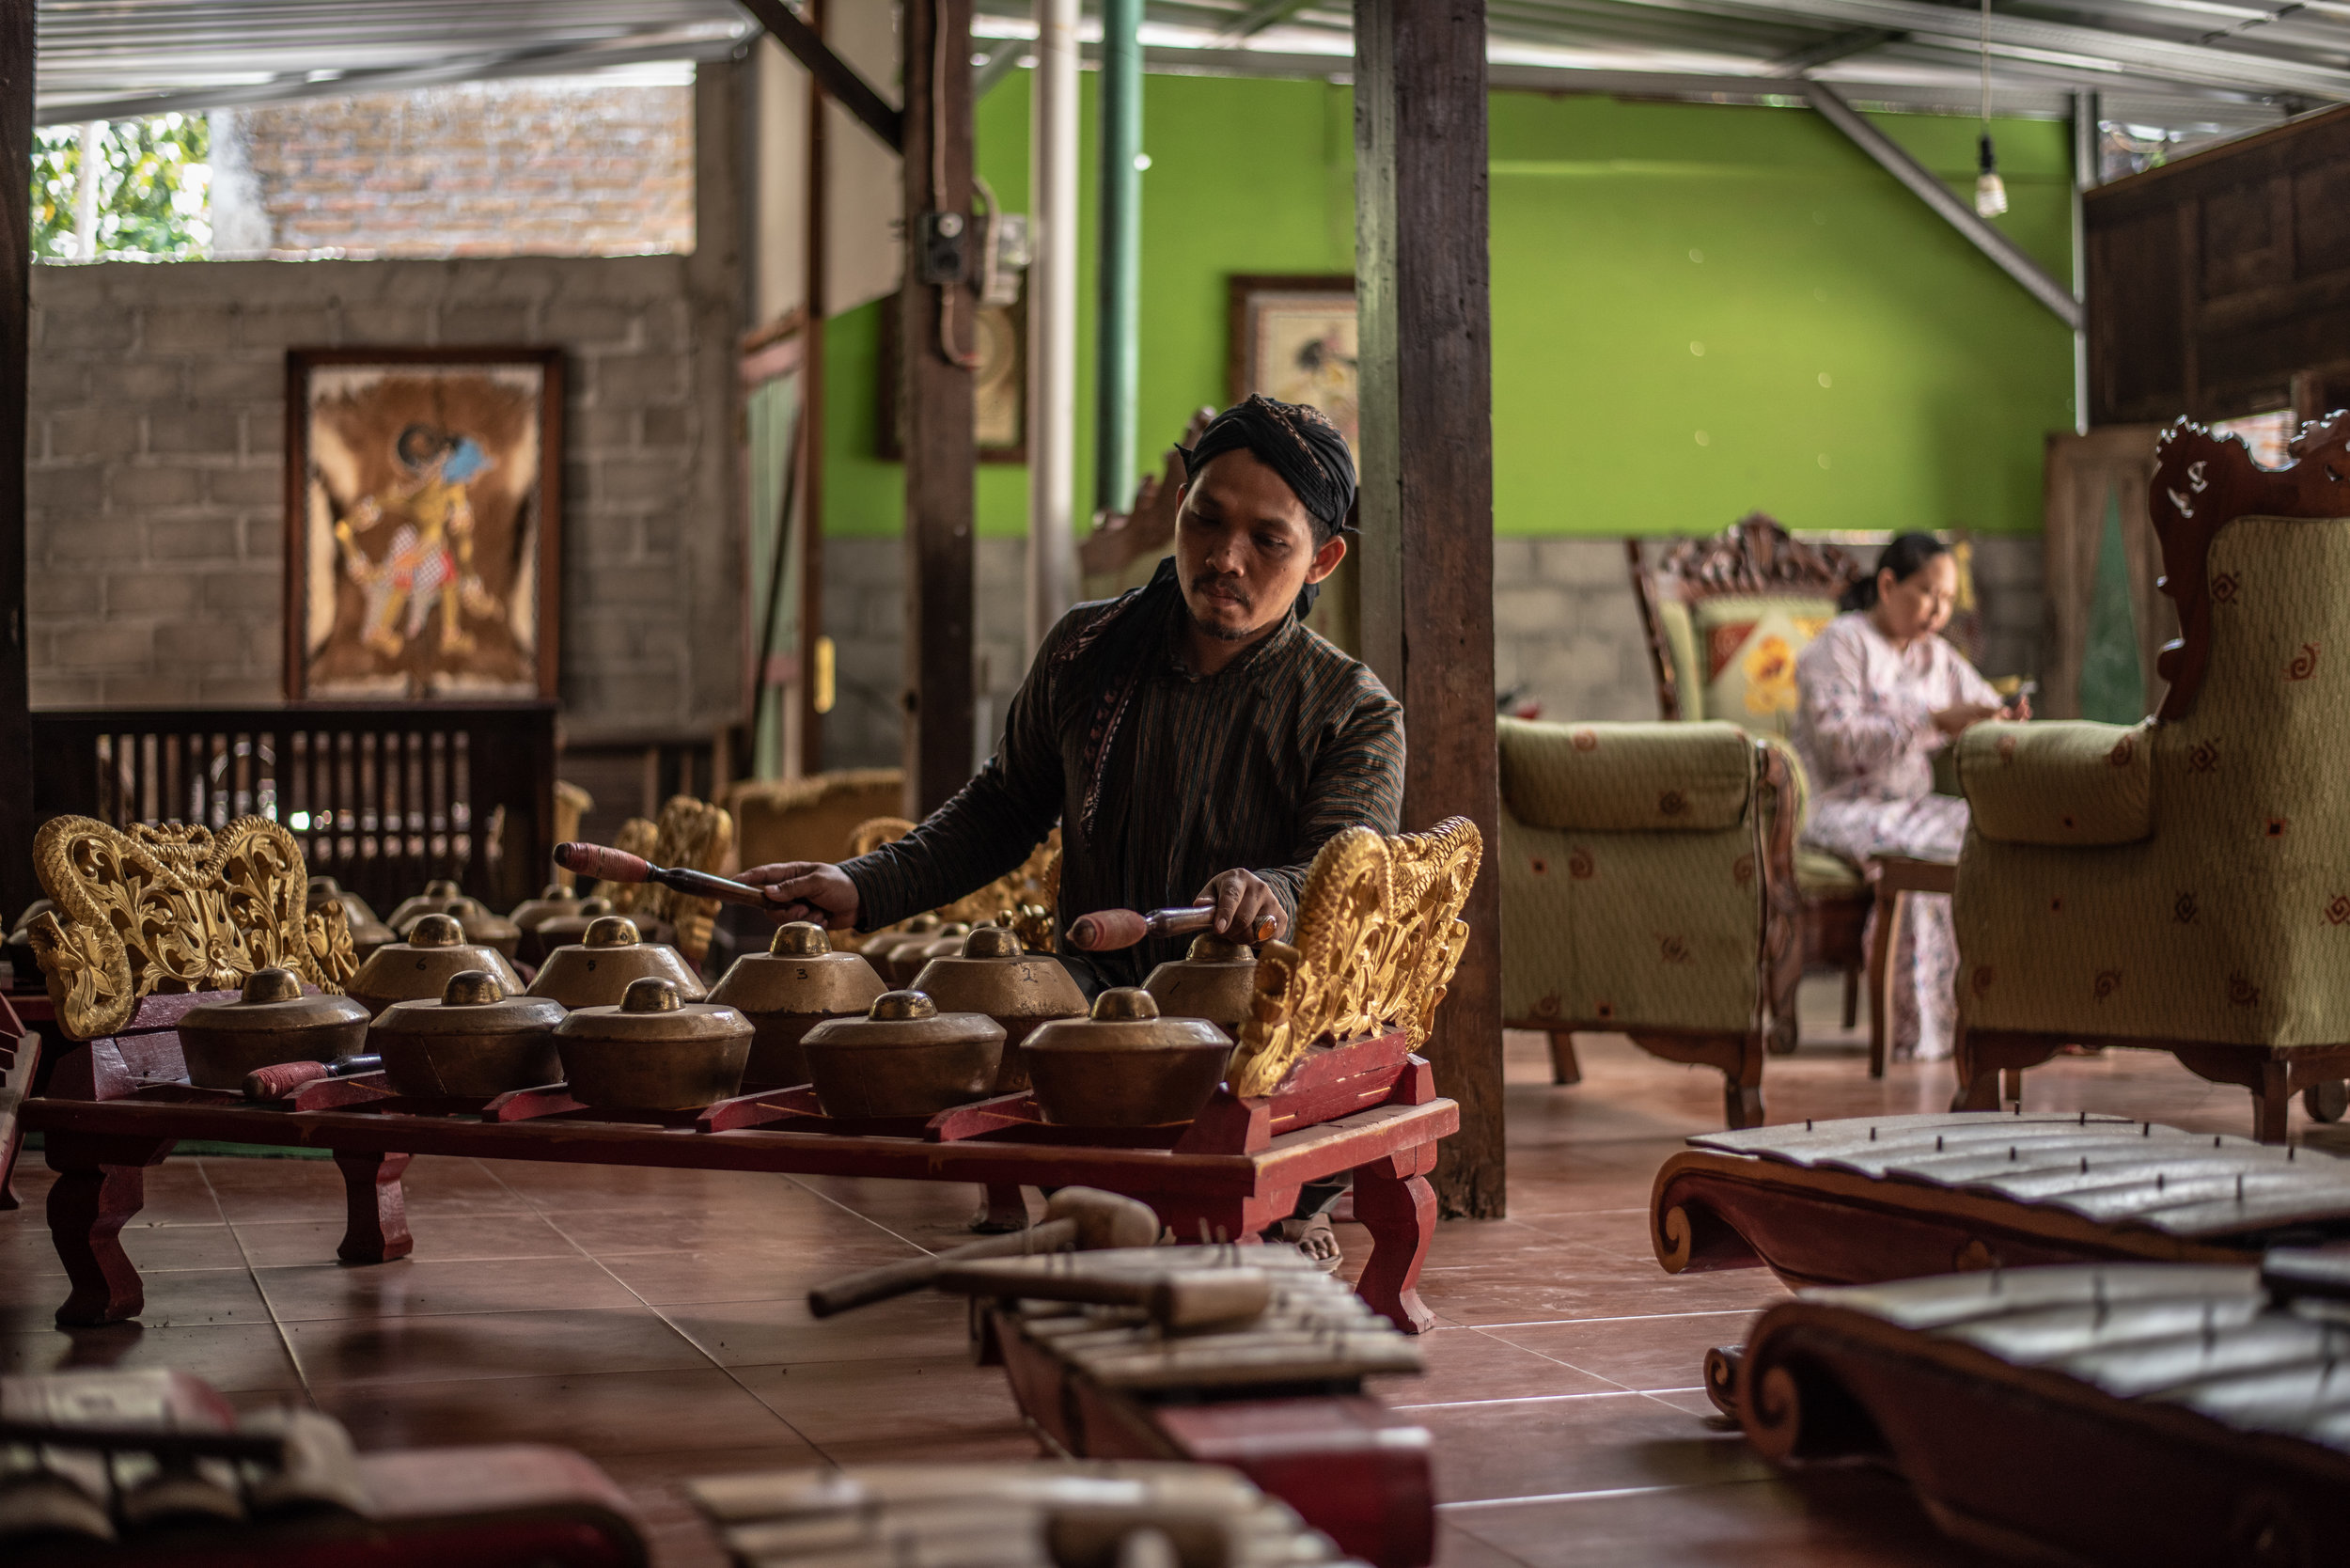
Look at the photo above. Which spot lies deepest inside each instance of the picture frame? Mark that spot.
(999, 392)
(1292, 335)
(439, 467)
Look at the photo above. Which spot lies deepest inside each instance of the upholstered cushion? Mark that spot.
(2067, 783)
(1681, 648)
(1626, 777)
(1748, 646)
(1631, 929)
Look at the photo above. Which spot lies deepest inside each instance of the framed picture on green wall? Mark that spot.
(1291, 336)
(1000, 386)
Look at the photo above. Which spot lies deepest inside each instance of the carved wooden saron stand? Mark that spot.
(1378, 933)
(1278, 1397)
(2127, 1414)
(1870, 1198)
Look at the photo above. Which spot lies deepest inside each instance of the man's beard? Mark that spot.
(1201, 583)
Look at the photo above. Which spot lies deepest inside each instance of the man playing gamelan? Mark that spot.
(1194, 740)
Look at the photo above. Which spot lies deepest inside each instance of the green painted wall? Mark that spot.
(1659, 271)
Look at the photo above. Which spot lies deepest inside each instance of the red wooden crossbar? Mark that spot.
(116, 1105)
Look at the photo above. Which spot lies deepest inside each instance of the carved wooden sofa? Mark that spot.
(1726, 617)
(2184, 885)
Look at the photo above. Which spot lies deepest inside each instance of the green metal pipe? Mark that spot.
(1117, 322)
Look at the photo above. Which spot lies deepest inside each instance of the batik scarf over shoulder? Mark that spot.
(1159, 778)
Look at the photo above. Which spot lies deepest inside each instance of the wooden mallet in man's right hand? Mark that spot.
(1085, 1219)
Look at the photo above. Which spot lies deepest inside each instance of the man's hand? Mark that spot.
(807, 890)
(2017, 710)
(1241, 900)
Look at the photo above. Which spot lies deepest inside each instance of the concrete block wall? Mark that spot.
(156, 485)
(1566, 629)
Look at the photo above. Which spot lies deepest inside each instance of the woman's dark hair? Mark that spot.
(1903, 559)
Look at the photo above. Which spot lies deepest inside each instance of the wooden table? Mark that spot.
(116, 1105)
(1892, 875)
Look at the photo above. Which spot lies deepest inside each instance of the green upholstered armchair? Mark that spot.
(2185, 885)
(1634, 871)
(1727, 617)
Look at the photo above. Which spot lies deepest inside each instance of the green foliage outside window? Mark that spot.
(154, 178)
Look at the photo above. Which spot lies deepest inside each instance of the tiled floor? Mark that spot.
(654, 1319)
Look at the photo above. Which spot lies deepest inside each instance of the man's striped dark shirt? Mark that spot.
(1160, 778)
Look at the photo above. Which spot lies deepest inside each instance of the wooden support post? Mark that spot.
(814, 702)
(18, 887)
(935, 335)
(1427, 501)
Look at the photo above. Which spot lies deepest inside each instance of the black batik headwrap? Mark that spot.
(1299, 444)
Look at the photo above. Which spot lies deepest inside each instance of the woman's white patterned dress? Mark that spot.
(1865, 732)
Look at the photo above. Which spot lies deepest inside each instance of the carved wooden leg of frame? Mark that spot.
(1852, 996)
(375, 1230)
(1564, 1069)
(1002, 1209)
(1742, 1090)
(101, 1182)
(1989, 1060)
(1889, 913)
(1978, 1081)
(2272, 1102)
(1392, 1196)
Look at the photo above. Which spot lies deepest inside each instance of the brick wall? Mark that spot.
(1566, 627)
(156, 470)
(552, 166)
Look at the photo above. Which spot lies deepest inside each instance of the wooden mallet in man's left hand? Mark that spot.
(607, 864)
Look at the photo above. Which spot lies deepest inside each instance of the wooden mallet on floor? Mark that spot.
(1085, 1219)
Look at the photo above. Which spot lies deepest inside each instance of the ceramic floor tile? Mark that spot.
(1637, 1353)
(1457, 1548)
(795, 1226)
(782, 1332)
(395, 1348)
(1577, 1443)
(667, 1277)
(929, 1399)
(596, 1413)
(407, 1286)
(998, 1448)
(232, 1357)
(26, 1248)
(441, 1238)
(1850, 1519)
(1467, 1364)
(175, 1297)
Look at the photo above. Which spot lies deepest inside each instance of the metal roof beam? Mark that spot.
(62, 108)
(1842, 46)
(833, 73)
(2180, 62)
(1927, 186)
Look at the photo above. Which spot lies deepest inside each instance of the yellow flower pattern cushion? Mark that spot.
(1748, 647)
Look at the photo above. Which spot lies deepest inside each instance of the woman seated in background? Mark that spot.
(1882, 692)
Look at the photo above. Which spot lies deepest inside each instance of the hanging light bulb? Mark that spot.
(1990, 190)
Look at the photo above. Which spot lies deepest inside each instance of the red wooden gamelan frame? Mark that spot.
(116, 1105)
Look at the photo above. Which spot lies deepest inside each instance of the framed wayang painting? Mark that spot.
(423, 523)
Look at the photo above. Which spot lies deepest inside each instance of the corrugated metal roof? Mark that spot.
(2198, 66)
